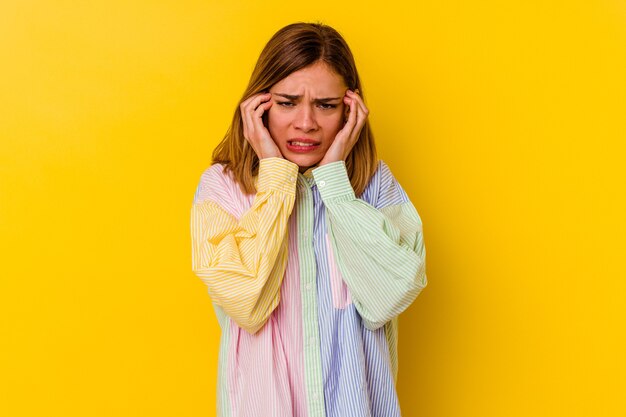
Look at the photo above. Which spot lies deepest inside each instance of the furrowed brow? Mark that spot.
(324, 100)
(297, 97)
(287, 96)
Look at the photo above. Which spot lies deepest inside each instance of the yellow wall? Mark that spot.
(504, 121)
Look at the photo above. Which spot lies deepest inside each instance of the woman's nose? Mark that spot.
(305, 119)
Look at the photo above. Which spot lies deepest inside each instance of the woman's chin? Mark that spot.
(303, 161)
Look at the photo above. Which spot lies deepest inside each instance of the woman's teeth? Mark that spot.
(302, 144)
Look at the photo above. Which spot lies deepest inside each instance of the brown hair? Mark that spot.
(292, 48)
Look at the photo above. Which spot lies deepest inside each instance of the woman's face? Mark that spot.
(307, 108)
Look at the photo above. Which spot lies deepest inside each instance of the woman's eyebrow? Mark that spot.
(297, 97)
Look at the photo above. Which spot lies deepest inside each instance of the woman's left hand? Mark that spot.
(347, 137)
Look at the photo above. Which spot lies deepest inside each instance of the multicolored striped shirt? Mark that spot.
(307, 281)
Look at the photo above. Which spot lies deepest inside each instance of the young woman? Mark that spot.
(309, 247)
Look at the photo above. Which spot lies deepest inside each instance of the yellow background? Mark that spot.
(503, 120)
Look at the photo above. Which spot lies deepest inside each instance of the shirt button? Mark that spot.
(321, 183)
(312, 341)
(316, 396)
(292, 178)
(309, 286)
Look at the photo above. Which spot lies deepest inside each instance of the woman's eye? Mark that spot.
(324, 106)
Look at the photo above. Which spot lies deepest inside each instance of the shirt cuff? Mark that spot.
(277, 174)
(333, 182)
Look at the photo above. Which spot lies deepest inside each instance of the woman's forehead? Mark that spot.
(316, 79)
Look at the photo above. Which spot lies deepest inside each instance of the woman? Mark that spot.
(309, 247)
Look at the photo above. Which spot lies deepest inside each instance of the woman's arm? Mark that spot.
(379, 251)
(243, 261)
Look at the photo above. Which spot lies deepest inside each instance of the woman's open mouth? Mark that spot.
(302, 147)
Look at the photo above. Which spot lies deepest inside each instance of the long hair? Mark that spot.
(292, 48)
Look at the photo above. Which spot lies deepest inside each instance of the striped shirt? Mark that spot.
(307, 281)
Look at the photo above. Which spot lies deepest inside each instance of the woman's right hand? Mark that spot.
(254, 131)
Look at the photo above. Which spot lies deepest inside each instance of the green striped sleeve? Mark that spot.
(380, 252)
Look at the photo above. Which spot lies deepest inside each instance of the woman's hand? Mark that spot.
(254, 131)
(347, 137)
